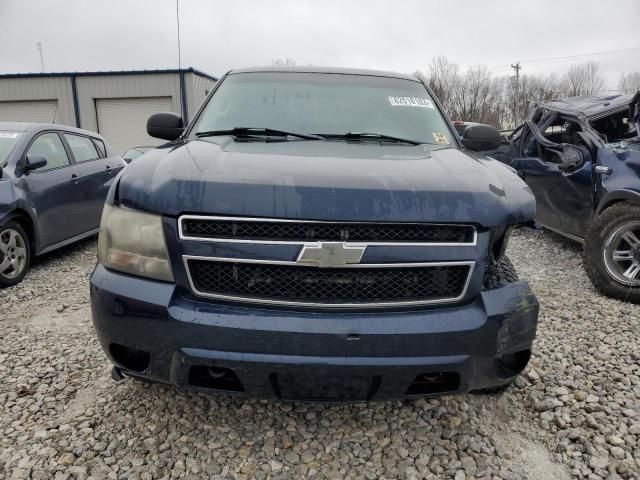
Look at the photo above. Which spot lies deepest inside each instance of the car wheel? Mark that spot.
(612, 252)
(15, 254)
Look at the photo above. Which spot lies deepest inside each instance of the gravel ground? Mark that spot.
(575, 413)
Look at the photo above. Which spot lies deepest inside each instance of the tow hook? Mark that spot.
(116, 374)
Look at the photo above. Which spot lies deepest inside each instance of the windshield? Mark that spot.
(7, 140)
(326, 104)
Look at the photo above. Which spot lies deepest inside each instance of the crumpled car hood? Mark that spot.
(325, 180)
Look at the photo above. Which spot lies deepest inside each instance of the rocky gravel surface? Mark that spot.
(575, 413)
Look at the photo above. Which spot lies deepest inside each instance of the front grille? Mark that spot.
(294, 231)
(329, 286)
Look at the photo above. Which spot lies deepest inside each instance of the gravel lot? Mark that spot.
(575, 413)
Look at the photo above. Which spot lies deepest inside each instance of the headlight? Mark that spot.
(133, 242)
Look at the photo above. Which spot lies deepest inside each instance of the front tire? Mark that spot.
(15, 254)
(612, 252)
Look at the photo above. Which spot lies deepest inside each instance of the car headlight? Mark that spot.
(133, 242)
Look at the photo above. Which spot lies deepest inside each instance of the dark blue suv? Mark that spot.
(53, 183)
(315, 234)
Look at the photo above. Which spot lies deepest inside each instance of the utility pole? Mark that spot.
(516, 113)
(41, 56)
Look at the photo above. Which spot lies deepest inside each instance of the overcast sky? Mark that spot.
(400, 35)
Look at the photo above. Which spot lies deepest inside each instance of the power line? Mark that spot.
(568, 57)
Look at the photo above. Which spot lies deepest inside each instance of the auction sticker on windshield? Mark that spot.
(410, 102)
(9, 134)
(440, 138)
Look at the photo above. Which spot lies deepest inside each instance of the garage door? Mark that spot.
(29, 111)
(123, 121)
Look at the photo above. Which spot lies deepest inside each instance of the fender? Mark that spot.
(618, 196)
(12, 205)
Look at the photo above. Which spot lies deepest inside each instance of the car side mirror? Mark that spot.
(165, 125)
(34, 161)
(481, 137)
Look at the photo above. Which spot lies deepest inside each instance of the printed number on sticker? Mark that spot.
(410, 102)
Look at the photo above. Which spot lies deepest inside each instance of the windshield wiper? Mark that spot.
(256, 132)
(372, 136)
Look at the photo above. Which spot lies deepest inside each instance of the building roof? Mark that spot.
(110, 72)
(313, 69)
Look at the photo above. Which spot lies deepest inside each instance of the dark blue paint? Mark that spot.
(74, 94)
(326, 181)
(183, 96)
(319, 180)
(568, 199)
(564, 200)
(59, 207)
(179, 330)
(113, 72)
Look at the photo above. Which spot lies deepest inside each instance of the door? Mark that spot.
(123, 121)
(94, 173)
(40, 111)
(54, 192)
(560, 176)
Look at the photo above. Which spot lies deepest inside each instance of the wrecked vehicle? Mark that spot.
(315, 234)
(581, 158)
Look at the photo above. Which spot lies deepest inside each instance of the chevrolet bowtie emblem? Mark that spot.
(330, 254)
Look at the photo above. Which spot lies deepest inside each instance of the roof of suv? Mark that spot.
(31, 127)
(336, 70)
(591, 105)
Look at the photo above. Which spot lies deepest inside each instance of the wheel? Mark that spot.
(612, 252)
(15, 254)
(499, 273)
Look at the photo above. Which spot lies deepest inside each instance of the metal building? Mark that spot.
(114, 104)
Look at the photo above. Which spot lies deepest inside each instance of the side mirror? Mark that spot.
(34, 161)
(481, 137)
(165, 125)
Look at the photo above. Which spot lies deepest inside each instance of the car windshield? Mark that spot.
(7, 140)
(326, 104)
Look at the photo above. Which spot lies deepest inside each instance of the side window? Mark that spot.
(82, 148)
(100, 146)
(50, 145)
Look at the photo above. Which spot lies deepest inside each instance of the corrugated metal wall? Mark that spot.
(197, 89)
(41, 88)
(123, 86)
(130, 91)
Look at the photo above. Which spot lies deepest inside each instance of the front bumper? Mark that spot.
(159, 332)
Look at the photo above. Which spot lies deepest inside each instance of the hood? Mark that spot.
(325, 180)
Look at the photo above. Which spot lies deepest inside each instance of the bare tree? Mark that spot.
(444, 79)
(629, 83)
(474, 95)
(584, 79)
